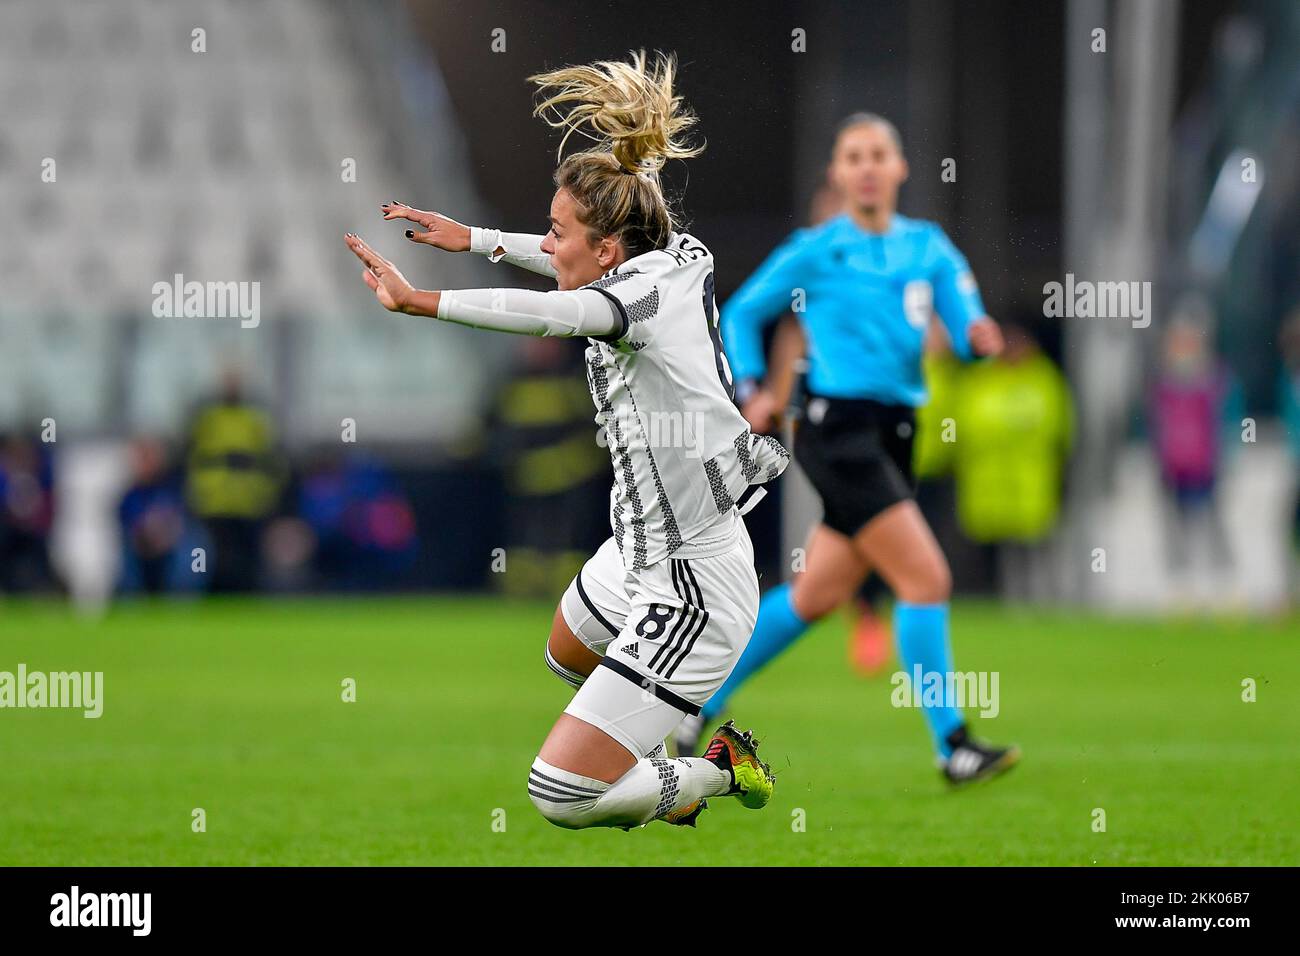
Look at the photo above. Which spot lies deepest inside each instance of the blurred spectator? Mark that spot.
(933, 450)
(1194, 398)
(234, 479)
(1289, 408)
(556, 475)
(354, 528)
(1014, 425)
(26, 514)
(158, 533)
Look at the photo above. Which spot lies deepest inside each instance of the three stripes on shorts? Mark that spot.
(690, 622)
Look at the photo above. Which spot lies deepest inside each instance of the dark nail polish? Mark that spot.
(410, 234)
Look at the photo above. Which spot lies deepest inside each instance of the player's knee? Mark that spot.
(940, 582)
(814, 603)
(559, 801)
(560, 814)
(930, 584)
(808, 606)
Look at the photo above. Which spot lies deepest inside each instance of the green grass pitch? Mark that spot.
(235, 707)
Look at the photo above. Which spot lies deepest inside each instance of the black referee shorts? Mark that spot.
(858, 455)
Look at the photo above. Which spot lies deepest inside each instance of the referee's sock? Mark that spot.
(778, 627)
(922, 633)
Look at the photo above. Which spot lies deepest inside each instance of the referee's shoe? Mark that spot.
(970, 760)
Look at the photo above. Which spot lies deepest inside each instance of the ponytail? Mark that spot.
(630, 111)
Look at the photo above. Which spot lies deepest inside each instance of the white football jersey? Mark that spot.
(683, 454)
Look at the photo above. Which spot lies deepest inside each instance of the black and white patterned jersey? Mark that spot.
(683, 454)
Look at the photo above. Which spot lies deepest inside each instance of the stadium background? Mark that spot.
(333, 455)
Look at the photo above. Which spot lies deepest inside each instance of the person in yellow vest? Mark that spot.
(933, 450)
(554, 469)
(1014, 421)
(233, 482)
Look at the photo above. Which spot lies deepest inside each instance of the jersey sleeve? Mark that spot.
(525, 312)
(517, 248)
(765, 296)
(956, 294)
(634, 297)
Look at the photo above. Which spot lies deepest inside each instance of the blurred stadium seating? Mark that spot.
(223, 155)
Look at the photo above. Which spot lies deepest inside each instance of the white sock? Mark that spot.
(653, 787)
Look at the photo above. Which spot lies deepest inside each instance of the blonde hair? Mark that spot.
(630, 110)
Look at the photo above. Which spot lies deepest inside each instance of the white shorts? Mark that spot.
(668, 636)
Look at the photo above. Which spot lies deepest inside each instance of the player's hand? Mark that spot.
(761, 411)
(389, 286)
(435, 229)
(985, 337)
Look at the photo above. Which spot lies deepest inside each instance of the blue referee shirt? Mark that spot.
(864, 300)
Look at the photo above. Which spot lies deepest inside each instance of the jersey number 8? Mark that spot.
(655, 622)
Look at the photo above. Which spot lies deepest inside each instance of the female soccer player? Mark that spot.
(666, 605)
(870, 278)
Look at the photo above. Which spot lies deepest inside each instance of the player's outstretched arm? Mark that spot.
(517, 248)
(437, 230)
(583, 312)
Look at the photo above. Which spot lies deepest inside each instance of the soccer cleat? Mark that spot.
(971, 761)
(737, 753)
(687, 815)
(869, 646)
(686, 738)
